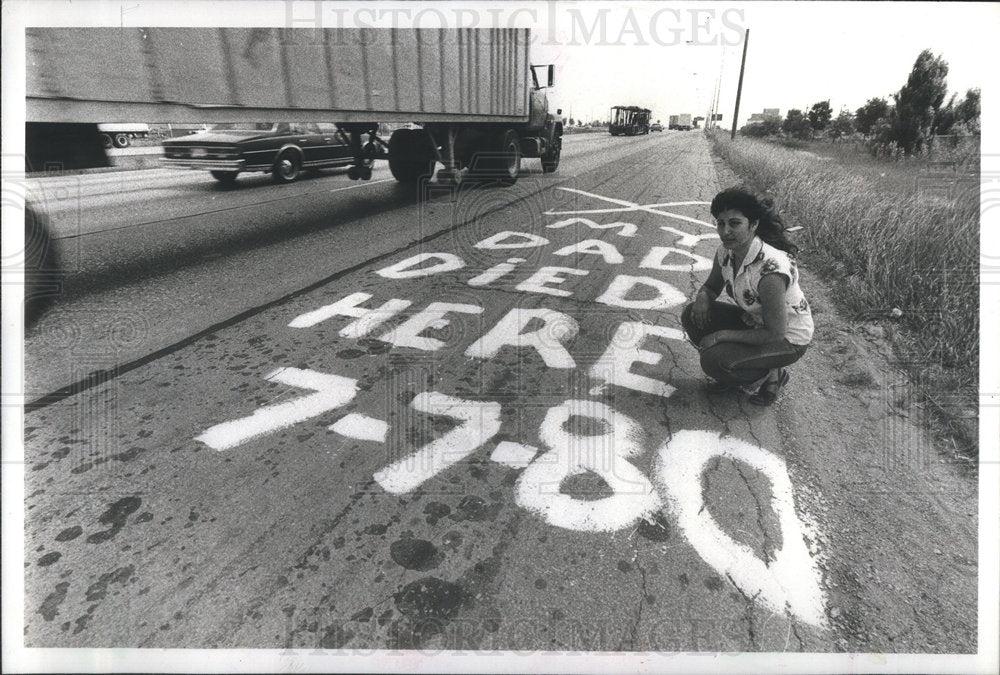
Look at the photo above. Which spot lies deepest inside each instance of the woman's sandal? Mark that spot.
(768, 392)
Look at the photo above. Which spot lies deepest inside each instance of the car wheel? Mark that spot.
(287, 167)
(42, 277)
(122, 140)
(226, 177)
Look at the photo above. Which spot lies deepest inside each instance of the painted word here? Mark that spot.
(552, 330)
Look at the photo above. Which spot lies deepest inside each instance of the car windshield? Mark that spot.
(242, 126)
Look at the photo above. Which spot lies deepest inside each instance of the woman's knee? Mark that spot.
(712, 366)
(686, 321)
(694, 333)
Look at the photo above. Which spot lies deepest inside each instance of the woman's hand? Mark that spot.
(701, 312)
(709, 340)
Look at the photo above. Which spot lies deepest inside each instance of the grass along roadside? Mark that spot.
(899, 244)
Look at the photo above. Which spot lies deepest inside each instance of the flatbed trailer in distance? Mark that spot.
(629, 120)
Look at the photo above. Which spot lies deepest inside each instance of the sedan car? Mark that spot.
(656, 126)
(284, 149)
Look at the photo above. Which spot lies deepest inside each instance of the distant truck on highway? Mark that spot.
(680, 122)
(475, 103)
(629, 120)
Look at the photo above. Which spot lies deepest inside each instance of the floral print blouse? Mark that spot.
(741, 288)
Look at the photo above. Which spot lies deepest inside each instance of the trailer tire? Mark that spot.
(225, 177)
(106, 141)
(508, 157)
(400, 144)
(287, 167)
(410, 155)
(550, 160)
(122, 140)
(368, 152)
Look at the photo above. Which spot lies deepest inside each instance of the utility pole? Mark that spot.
(718, 84)
(739, 88)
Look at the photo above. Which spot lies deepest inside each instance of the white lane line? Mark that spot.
(367, 182)
(630, 206)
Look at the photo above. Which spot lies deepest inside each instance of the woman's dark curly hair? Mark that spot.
(770, 227)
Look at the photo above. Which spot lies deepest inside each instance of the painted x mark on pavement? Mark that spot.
(686, 239)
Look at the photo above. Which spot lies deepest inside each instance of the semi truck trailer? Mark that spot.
(475, 102)
(680, 122)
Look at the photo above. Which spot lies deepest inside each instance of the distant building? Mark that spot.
(768, 114)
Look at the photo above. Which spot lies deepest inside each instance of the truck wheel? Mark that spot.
(410, 155)
(400, 147)
(121, 140)
(508, 159)
(550, 160)
(106, 141)
(287, 167)
(225, 177)
(399, 151)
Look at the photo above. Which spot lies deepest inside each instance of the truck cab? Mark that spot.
(538, 100)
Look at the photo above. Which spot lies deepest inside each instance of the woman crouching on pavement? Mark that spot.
(749, 319)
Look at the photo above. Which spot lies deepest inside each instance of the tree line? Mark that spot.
(905, 125)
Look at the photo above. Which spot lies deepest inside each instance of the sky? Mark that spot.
(667, 56)
(798, 53)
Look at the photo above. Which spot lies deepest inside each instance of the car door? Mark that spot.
(335, 150)
(307, 136)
